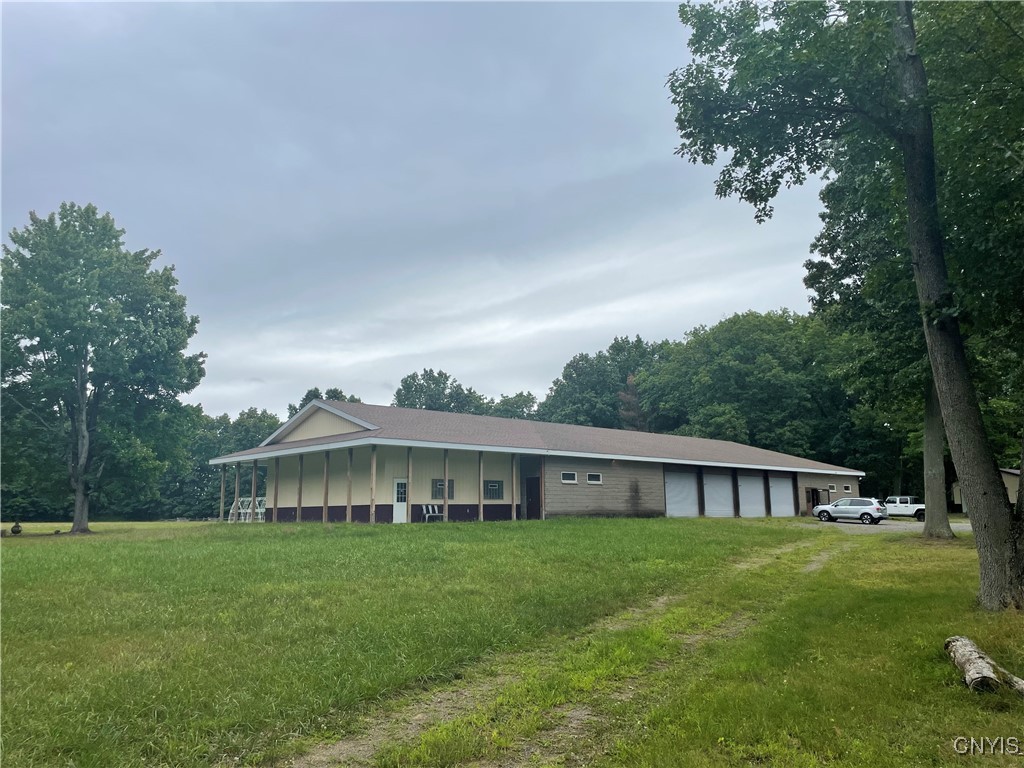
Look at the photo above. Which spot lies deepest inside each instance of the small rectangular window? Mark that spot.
(594, 478)
(832, 487)
(494, 490)
(847, 489)
(568, 477)
(437, 489)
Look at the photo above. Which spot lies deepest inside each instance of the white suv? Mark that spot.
(866, 510)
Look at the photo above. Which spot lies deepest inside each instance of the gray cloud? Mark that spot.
(351, 192)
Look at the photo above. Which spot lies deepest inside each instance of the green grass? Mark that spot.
(768, 665)
(847, 668)
(189, 644)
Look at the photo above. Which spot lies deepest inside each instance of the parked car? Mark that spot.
(905, 506)
(866, 510)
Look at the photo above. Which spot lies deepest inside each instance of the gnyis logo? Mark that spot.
(988, 745)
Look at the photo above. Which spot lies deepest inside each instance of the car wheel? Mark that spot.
(866, 518)
(824, 516)
(919, 515)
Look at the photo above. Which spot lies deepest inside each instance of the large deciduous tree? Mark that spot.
(783, 90)
(439, 391)
(595, 390)
(94, 337)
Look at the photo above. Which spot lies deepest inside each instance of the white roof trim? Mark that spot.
(285, 450)
(300, 417)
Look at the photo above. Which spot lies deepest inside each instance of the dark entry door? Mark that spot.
(533, 498)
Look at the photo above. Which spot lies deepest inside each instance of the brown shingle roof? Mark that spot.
(456, 429)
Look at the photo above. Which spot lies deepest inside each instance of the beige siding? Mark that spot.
(427, 464)
(1011, 482)
(319, 423)
(634, 489)
(821, 482)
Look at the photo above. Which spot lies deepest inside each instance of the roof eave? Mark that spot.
(284, 450)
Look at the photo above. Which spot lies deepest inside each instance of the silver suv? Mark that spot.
(866, 510)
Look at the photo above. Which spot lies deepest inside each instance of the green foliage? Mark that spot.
(331, 393)
(521, 405)
(588, 391)
(193, 489)
(773, 87)
(438, 392)
(863, 281)
(94, 352)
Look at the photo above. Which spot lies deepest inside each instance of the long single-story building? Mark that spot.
(355, 462)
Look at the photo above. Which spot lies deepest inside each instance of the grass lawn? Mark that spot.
(196, 644)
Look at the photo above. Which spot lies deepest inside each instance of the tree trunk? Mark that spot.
(1000, 546)
(936, 521)
(80, 451)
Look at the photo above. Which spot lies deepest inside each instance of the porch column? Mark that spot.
(543, 467)
(252, 509)
(767, 494)
(238, 485)
(348, 495)
(373, 483)
(796, 495)
(444, 490)
(223, 489)
(480, 489)
(327, 469)
(512, 486)
(408, 484)
(277, 487)
(298, 498)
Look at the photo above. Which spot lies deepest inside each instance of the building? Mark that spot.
(1011, 481)
(354, 462)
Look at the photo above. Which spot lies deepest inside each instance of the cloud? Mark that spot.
(353, 192)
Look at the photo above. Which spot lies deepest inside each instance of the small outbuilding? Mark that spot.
(355, 462)
(1011, 481)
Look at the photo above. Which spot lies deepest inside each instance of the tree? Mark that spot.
(759, 379)
(439, 392)
(93, 335)
(331, 393)
(588, 390)
(521, 405)
(784, 89)
(863, 284)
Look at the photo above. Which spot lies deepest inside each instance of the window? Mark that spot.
(494, 489)
(847, 489)
(594, 478)
(437, 489)
(861, 503)
(568, 477)
(832, 487)
(842, 503)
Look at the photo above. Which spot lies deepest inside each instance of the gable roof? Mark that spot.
(387, 425)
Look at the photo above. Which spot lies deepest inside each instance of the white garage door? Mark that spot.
(717, 495)
(752, 495)
(783, 500)
(681, 494)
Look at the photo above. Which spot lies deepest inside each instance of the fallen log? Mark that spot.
(980, 672)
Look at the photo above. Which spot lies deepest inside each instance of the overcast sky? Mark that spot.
(353, 192)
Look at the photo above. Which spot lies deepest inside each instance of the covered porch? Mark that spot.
(376, 484)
